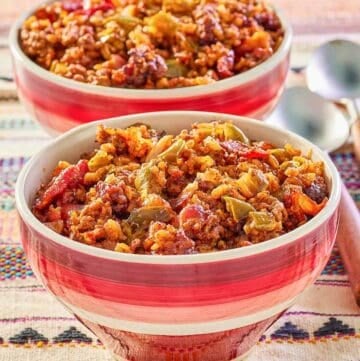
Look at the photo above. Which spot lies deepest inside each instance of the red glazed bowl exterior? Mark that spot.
(205, 307)
(59, 104)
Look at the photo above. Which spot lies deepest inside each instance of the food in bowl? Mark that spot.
(59, 104)
(206, 306)
(151, 44)
(203, 190)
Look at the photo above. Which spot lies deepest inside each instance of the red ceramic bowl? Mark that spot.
(59, 104)
(203, 307)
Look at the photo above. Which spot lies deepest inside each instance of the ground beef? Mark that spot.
(317, 191)
(206, 189)
(147, 44)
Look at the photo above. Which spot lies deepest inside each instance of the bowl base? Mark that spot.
(240, 358)
(229, 345)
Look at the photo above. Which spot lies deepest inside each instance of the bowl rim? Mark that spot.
(235, 253)
(147, 94)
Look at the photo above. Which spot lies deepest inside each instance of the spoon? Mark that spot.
(334, 73)
(312, 117)
(320, 121)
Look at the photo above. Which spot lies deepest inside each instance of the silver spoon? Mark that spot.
(311, 116)
(334, 73)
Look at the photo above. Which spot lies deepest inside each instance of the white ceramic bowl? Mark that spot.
(206, 307)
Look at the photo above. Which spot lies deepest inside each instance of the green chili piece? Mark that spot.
(262, 221)
(171, 154)
(175, 69)
(231, 132)
(142, 180)
(238, 208)
(145, 215)
(159, 147)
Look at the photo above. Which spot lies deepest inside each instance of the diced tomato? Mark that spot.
(241, 150)
(77, 6)
(68, 178)
(255, 154)
(193, 211)
(43, 14)
(265, 145)
(307, 205)
(102, 7)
